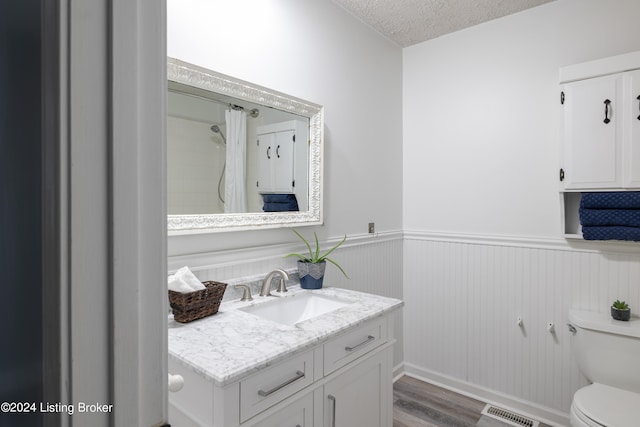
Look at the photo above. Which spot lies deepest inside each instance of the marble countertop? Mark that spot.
(232, 343)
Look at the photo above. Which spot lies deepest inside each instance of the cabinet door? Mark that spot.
(592, 133)
(266, 147)
(297, 414)
(632, 129)
(275, 162)
(283, 162)
(361, 396)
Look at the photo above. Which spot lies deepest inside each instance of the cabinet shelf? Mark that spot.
(570, 203)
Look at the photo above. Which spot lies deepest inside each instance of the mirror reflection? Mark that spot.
(226, 155)
(239, 155)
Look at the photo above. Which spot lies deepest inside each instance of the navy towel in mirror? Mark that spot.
(279, 203)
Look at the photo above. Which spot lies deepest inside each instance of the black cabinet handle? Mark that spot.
(638, 98)
(268, 152)
(278, 151)
(606, 111)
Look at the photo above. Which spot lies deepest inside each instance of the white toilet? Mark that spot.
(608, 354)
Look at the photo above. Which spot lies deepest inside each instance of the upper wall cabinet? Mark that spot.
(601, 124)
(282, 159)
(601, 132)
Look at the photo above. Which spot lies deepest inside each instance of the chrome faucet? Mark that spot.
(266, 284)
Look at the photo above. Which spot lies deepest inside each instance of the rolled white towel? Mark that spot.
(178, 285)
(190, 279)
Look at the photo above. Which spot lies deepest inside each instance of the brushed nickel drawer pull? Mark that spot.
(367, 341)
(333, 410)
(299, 375)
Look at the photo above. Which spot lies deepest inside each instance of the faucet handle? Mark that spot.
(282, 287)
(246, 292)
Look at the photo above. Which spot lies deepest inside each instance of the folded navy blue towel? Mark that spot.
(611, 233)
(611, 200)
(279, 198)
(625, 217)
(279, 207)
(280, 203)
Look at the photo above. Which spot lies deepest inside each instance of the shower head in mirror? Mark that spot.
(216, 129)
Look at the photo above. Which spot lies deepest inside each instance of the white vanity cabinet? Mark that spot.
(600, 104)
(282, 158)
(296, 414)
(360, 396)
(344, 381)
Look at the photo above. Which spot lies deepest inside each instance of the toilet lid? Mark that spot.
(608, 406)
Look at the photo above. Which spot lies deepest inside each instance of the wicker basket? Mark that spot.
(191, 306)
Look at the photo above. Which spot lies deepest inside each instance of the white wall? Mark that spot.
(312, 50)
(195, 162)
(481, 110)
(463, 297)
(315, 51)
(481, 207)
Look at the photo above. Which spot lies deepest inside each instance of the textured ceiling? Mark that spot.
(408, 22)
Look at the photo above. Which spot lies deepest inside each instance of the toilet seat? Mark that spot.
(578, 419)
(601, 405)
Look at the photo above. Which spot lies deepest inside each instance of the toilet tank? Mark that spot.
(607, 351)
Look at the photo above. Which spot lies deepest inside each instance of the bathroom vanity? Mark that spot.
(310, 358)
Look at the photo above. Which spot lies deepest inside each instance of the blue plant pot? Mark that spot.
(311, 274)
(623, 315)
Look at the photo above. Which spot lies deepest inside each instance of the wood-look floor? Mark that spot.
(420, 404)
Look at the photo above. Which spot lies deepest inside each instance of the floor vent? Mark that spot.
(509, 417)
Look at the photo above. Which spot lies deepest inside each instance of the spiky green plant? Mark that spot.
(314, 255)
(620, 305)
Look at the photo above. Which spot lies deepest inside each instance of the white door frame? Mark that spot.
(109, 311)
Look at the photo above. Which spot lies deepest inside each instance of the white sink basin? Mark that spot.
(294, 309)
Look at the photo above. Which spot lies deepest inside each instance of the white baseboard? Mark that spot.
(543, 414)
(398, 371)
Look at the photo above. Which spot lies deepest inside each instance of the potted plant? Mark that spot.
(311, 268)
(620, 310)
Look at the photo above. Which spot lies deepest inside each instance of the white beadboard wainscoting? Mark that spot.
(373, 263)
(464, 294)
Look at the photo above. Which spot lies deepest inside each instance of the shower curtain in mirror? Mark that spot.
(235, 175)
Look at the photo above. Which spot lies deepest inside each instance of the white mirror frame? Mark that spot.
(193, 75)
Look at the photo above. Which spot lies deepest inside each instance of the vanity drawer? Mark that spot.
(348, 347)
(273, 384)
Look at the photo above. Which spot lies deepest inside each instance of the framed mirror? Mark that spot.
(239, 156)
